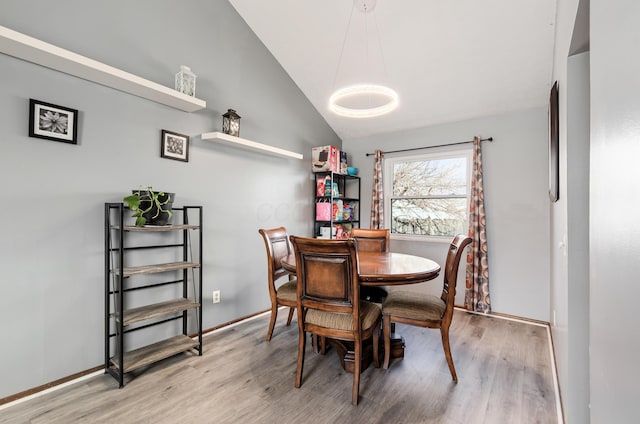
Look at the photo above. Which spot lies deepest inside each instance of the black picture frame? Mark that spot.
(554, 145)
(53, 122)
(174, 146)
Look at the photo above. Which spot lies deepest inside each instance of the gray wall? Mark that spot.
(52, 255)
(614, 202)
(569, 217)
(516, 203)
(596, 336)
(51, 308)
(577, 194)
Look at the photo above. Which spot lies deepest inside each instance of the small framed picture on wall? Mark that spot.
(53, 122)
(174, 146)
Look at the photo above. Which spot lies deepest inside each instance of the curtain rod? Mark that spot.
(430, 147)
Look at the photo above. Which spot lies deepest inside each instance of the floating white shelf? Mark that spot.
(27, 48)
(248, 144)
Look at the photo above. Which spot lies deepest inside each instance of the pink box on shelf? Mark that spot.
(323, 211)
(325, 159)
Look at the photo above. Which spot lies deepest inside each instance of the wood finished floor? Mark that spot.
(503, 367)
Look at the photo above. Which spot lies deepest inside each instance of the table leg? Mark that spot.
(345, 352)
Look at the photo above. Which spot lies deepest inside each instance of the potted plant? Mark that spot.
(150, 207)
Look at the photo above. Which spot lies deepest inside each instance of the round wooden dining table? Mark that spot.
(386, 268)
(381, 269)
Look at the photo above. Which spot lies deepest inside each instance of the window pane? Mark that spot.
(434, 217)
(437, 177)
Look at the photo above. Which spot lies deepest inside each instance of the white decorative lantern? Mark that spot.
(186, 81)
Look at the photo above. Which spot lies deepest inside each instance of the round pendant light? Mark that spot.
(366, 93)
(363, 100)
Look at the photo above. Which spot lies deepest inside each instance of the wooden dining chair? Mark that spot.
(328, 301)
(425, 310)
(372, 240)
(276, 241)
(376, 240)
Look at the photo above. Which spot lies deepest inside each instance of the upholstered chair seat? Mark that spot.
(287, 291)
(417, 306)
(369, 314)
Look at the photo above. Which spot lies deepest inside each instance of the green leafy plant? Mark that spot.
(143, 201)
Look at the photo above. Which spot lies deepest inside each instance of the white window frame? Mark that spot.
(387, 178)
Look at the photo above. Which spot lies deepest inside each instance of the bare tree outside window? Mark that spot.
(428, 195)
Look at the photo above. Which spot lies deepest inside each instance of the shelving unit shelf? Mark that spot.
(31, 49)
(155, 310)
(184, 286)
(150, 269)
(348, 193)
(152, 353)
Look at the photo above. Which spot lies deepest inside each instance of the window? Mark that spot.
(428, 195)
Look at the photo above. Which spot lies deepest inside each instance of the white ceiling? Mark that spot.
(448, 60)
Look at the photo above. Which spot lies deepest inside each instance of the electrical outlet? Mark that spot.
(216, 296)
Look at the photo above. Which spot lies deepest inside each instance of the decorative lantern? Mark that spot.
(186, 81)
(231, 123)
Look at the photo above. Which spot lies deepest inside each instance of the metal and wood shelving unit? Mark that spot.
(180, 279)
(348, 193)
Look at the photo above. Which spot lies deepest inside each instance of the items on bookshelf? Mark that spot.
(328, 159)
(149, 206)
(337, 204)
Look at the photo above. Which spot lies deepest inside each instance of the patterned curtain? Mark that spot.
(477, 285)
(377, 197)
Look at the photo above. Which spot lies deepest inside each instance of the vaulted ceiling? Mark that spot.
(448, 60)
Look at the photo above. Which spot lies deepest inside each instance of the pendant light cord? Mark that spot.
(385, 76)
(344, 42)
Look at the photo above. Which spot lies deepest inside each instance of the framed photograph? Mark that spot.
(554, 145)
(53, 122)
(174, 146)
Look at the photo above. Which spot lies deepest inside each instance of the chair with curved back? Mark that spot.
(376, 240)
(425, 310)
(276, 241)
(329, 302)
